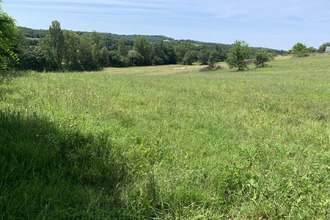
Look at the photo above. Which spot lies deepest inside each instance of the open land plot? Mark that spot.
(168, 142)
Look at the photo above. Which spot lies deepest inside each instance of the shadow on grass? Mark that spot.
(49, 170)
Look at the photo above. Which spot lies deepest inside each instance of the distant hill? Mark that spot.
(35, 34)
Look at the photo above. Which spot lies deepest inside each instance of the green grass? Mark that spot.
(167, 143)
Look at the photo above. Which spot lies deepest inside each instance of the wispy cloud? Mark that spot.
(209, 20)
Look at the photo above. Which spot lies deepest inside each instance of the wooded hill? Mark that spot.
(34, 35)
(65, 50)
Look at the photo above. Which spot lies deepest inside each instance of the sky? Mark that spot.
(276, 24)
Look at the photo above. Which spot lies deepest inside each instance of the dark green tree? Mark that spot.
(214, 57)
(261, 58)
(134, 58)
(104, 59)
(238, 55)
(190, 57)
(115, 59)
(299, 50)
(143, 47)
(71, 47)
(222, 54)
(203, 56)
(85, 53)
(32, 58)
(122, 48)
(55, 42)
(8, 40)
(97, 47)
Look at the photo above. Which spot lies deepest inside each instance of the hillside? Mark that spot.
(34, 35)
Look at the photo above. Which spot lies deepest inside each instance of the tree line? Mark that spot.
(65, 50)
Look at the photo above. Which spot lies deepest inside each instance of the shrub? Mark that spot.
(299, 50)
(238, 54)
(261, 58)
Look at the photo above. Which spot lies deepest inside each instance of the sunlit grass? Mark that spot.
(169, 142)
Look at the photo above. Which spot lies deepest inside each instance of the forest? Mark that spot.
(66, 50)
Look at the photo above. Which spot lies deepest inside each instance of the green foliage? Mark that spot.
(135, 58)
(143, 47)
(238, 55)
(71, 48)
(190, 57)
(324, 46)
(163, 53)
(55, 44)
(214, 57)
(203, 56)
(167, 143)
(299, 50)
(122, 48)
(8, 40)
(261, 58)
(85, 53)
(32, 58)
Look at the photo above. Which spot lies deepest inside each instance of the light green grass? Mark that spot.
(168, 143)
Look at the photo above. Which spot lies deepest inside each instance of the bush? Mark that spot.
(261, 58)
(238, 54)
(299, 50)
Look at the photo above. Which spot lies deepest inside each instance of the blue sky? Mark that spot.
(274, 24)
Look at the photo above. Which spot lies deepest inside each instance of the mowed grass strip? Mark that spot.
(168, 142)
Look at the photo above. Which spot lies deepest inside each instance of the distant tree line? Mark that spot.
(62, 50)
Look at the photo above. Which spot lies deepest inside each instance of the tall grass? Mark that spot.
(167, 143)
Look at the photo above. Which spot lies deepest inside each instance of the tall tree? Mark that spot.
(8, 40)
(85, 53)
(56, 43)
(71, 46)
(143, 47)
(238, 55)
(214, 57)
(122, 48)
(203, 56)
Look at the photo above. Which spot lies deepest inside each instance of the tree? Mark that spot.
(143, 47)
(238, 54)
(214, 57)
(32, 58)
(56, 43)
(261, 58)
(134, 58)
(221, 52)
(8, 43)
(323, 46)
(299, 50)
(85, 53)
(122, 48)
(190, 57)
(71, 46)
(203, 56)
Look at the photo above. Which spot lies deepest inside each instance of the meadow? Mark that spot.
(167, 142)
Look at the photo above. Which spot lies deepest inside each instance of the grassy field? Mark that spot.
(167, 142)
